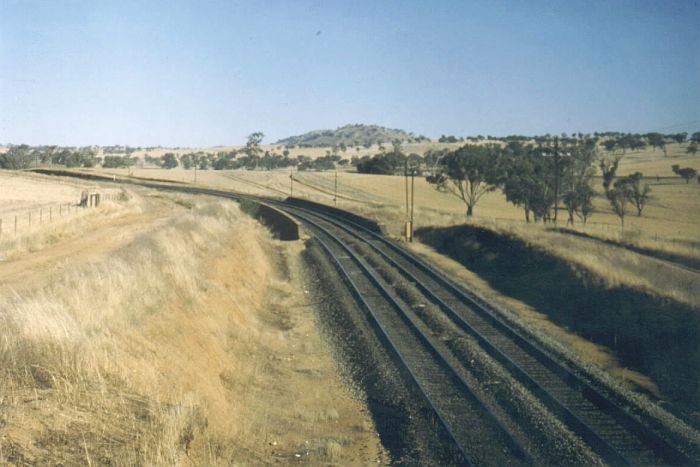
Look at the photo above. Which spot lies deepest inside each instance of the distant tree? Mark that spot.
(448, 139)
(608, 167)
(680, 137)
(16, 158)
(187, 161)
(525, 184)
(169, 161)
(111, 162)
(48, 154)
(467, 173)
(558, 162)
(205, 161)
(657, 140)
(695, 137)
(610, 145)
(579, 201)
(577, 177)
(686, 173)
(378, 164)
(638, 194)
(692, 149)
(252, 145)
(619, 196)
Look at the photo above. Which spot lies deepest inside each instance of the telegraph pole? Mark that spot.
(291, 182)
(405, 174)
(335, 190)
(413, 177)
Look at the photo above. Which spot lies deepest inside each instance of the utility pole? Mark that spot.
(557, 180)
(335, 190)
(291, 182)
(405, 174)
(413, 177)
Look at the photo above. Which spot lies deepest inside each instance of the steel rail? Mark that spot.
(385, 336)
(647, 437)
(668, 452)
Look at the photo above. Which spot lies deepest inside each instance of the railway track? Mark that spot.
(615, 435)
(475, 429)
(455, 405)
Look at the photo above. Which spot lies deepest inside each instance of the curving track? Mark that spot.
(473, 427)
(615, 435)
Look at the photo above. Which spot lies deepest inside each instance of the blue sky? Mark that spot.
(203, 73)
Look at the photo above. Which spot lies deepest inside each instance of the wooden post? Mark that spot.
(41, 215)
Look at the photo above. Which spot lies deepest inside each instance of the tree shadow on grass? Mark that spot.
(653, 335)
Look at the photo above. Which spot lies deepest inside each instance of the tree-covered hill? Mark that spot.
(351, 135)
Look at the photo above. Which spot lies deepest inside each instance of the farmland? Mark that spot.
(81, 366)
(667, 228)
(191, 374)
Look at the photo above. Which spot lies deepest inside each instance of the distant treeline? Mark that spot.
(389, 160)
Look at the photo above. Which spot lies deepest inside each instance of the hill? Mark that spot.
(351, 135)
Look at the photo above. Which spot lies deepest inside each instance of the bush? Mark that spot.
(17, 158)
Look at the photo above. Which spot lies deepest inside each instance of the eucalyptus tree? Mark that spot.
(637, 192)
(467, 173)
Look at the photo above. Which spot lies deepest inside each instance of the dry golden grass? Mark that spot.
(652, 162)
(22, 191)
(172, 349)
(596, 359)
(64, 339)
(669, 223)
(408, 148)
(70, 224)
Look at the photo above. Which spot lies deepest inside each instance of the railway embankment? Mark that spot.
(656, 336)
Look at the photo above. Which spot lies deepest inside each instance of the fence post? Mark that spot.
(41, 215)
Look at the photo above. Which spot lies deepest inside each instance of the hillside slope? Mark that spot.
(351, 135)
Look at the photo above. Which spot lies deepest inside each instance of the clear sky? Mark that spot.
(203, 73)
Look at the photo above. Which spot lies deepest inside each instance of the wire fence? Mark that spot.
(18, 223)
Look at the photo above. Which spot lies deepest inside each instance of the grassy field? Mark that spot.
(654, 256)
(36, 210)
(672, 215)
(649, 255)
(158, 333)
